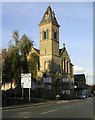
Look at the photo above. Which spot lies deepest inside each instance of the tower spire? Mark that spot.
(49, 3)
(49, 16)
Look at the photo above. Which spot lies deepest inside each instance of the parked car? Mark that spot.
(82, 96)
(57, 97)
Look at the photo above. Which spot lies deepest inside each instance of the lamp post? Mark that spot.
(75, 87)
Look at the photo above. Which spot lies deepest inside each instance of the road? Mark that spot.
(80, 108)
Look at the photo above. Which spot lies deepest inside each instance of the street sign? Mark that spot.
(26, 80)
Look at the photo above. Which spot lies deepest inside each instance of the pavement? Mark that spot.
(43, 102)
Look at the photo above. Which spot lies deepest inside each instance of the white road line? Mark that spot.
(62, 102)
(49, 111)
(89, 98)
(14, 109)
(74, 100)
(23, 113)
(43, 105)
(67, 106)
(28, 117)
(25, 107)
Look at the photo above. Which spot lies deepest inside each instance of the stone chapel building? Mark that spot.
(54, 62)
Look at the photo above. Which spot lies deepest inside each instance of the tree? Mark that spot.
(33, 64)
(7, 72)
(0, 67)
(25, 47)
(16, 59)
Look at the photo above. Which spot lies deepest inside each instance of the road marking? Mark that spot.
(49, 111)
(23, 112)
(27, 117)
(62, 102)
(67, 106)
(74, 100)
(15, 109)
(67, 101)
(89, 98)
(24, 107)
(43, 105)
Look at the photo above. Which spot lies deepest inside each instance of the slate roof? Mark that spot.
(61, 50)
(79, 77)
(38, 51)
(51, 17)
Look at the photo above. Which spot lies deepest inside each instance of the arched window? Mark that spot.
(54, 35)
(45, 34)
(46, 16)
(67, 67)
(64, 66)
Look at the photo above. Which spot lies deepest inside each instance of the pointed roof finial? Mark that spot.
(49, 3)
(63, 44)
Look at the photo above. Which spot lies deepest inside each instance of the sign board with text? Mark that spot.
(26, 80)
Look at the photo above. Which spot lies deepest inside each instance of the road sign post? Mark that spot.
(22, 93)
(26, 82)
(29, 94)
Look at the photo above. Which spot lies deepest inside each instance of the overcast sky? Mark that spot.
(76, 28)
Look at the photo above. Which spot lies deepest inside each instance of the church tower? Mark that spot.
(49, 42)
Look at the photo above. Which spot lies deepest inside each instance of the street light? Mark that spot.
(75, 91)
(75, 86)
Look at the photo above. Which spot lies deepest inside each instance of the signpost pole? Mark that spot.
(22, 93)
(29, 94)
